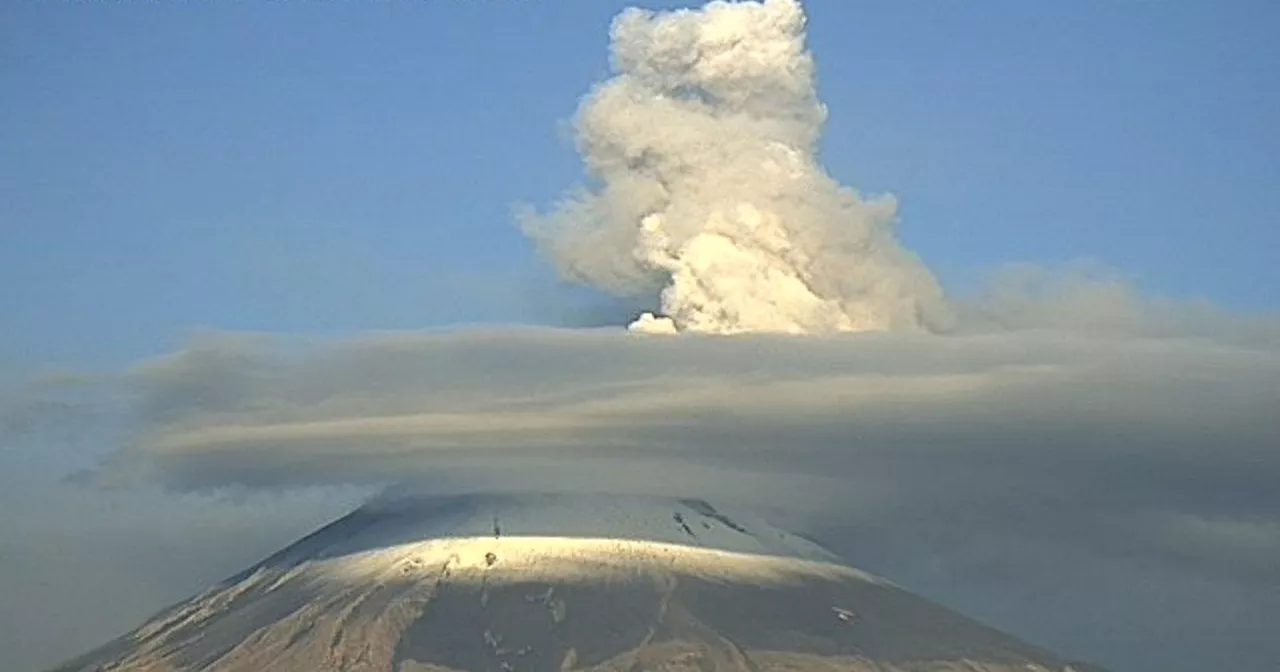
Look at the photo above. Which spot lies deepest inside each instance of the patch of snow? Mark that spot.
(518, 559)
(564, 537)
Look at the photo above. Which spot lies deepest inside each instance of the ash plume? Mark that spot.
(702, 150)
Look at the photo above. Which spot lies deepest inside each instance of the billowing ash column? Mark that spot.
(709, 190)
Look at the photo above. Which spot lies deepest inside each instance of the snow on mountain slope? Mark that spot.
(541, 582)
(519, 537)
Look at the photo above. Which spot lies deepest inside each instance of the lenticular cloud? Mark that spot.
(708, 190)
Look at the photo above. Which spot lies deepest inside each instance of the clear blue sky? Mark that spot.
(321, 166)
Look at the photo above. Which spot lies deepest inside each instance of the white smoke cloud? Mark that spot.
(703, 147)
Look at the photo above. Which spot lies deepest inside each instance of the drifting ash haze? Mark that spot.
(703, 148)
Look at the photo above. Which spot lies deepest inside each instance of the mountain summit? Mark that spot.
(567, 582)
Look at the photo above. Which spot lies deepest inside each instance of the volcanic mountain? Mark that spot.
(564, 582)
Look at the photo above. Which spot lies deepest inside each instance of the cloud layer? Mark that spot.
(1035, 476)
(1072, 460)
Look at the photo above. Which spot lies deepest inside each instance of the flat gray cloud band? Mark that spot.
(1174, 434)
(1122, 464)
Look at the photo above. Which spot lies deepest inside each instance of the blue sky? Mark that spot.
(340, 167)
(329, 167)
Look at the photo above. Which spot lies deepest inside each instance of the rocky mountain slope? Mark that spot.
(538, 582)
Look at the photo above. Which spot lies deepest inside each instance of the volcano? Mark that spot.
(563, 582)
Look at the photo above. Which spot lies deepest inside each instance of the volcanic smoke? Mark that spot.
(706, 188)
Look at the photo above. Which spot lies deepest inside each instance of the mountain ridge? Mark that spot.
(568, 582)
